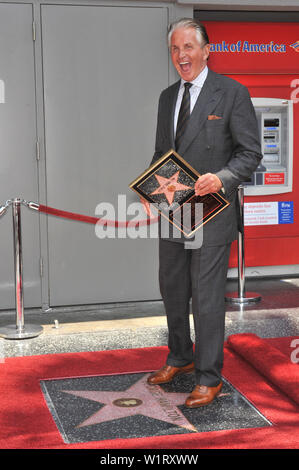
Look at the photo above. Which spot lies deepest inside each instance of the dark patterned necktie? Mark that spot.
(184, 115)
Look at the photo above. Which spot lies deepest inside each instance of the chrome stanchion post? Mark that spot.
(18, 259)
(19, 331)
(241, 296)
(241, 258)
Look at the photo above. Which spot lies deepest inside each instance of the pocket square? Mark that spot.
(212, 117)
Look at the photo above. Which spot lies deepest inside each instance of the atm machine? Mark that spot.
(274, 175)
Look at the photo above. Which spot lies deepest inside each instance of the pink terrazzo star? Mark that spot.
(168, 186)
(139, 399)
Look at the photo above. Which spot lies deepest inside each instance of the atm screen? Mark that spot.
(271, 122)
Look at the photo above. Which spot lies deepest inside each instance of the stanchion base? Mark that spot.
(29, 331)
(247, 298)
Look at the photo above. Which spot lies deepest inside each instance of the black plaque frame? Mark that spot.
(172, 165)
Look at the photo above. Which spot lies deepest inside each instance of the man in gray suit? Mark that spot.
(219, 138)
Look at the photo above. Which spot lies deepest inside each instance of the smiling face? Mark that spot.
(188, 56)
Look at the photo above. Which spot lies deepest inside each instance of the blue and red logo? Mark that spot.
(295, 46)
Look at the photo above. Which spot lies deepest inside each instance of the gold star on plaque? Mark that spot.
(168, 186)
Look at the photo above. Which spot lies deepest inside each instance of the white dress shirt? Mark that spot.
(197, 85)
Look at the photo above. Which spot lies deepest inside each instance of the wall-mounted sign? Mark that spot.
(268, 213)
(246, 47)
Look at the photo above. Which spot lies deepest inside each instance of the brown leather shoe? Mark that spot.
(167, 373)
(202, 395)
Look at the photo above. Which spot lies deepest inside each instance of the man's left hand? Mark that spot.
(208, 183)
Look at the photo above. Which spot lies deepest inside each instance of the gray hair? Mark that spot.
(201, 33)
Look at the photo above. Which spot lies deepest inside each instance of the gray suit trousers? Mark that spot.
(199, 274)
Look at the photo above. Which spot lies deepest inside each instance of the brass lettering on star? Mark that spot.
(127, 402)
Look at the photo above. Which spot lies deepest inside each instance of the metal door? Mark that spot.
(18, 164)
(104, 68)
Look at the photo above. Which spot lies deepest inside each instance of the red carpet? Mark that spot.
(269, 361)
(260, 369)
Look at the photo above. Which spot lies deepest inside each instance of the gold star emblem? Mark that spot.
(168, 186)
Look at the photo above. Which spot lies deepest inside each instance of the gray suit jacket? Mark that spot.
(228, 147)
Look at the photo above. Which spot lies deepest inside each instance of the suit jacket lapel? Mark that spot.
(205, 104)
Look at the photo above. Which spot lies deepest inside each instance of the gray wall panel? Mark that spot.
(18, 165)
(104, 68)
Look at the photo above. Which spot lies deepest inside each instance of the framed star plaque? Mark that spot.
(168, 185)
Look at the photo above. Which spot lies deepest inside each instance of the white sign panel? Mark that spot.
(261, 213)
(268, 213)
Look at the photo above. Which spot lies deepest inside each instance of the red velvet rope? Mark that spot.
(94, 220)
